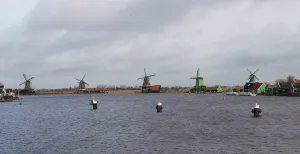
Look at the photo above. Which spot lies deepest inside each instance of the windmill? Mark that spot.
(27, 83)
(82, 83)
(199, 83)
(252, 76)
(146, 82)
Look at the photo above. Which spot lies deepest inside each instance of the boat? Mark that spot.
(12, 95)
(6, 99)
(4, 96)
(252, 94)
(231, 93)
(246, 94)
(243, 94)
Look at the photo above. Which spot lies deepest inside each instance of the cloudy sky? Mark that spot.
(112, 41)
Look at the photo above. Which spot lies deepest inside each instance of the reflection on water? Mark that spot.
(129, 123)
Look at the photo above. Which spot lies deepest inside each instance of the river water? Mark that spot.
(128, 123)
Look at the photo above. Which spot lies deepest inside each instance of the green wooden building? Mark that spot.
(199, 86)
(256, 87)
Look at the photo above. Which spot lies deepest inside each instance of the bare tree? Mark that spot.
(290, 79)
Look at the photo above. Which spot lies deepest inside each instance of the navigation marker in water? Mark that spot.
(94, 103)
(256, 111)
(159, 107)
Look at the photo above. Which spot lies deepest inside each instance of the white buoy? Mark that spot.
(159, 107)
(95, 105)
(256, 110)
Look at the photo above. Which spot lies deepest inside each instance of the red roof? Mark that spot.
(255, 86)
(96, 89)
(271, 86)
(155, 87)
(297, 81)
(211, 88)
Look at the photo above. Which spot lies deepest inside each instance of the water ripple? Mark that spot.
(190, 123)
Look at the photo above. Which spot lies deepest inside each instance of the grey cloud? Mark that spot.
(139, 16)
(112, 41)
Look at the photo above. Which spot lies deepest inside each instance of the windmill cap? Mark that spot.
(159, 104)
(256, 106)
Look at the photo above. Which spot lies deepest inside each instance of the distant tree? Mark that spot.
(237, 86)
(101, 86)
(290, 79)
(280, 81)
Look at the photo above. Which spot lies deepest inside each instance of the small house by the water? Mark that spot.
(271, 90)
(292, 88)
(296, 88)
(218, 89)
(255, 87)
(155, 89)
(284, 88)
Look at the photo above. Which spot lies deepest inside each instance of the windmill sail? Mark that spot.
(146, 79)
(27, 82)
(82, 83)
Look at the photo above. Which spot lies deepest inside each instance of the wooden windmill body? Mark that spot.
(146, 81)
(81, 86)
(199, 86)
(253, 85)
(28, 90)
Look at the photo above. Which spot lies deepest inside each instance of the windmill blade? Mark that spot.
(249, 71)
(256, 77)
(30, 78)
(84, 76)
(151, 75)
(141, 78)
(255, 71)
(86, 83)
(24, 76)
(22, 83)
(77, 79)
(145, 71)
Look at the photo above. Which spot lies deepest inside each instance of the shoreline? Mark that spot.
(64, 92)
(73, 92)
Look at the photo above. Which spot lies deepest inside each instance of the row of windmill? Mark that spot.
(82, 84)
(199, 86)
(29, 90)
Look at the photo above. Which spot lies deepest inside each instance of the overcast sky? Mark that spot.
(112, 41)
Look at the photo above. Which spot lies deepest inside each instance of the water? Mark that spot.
(128, 123)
